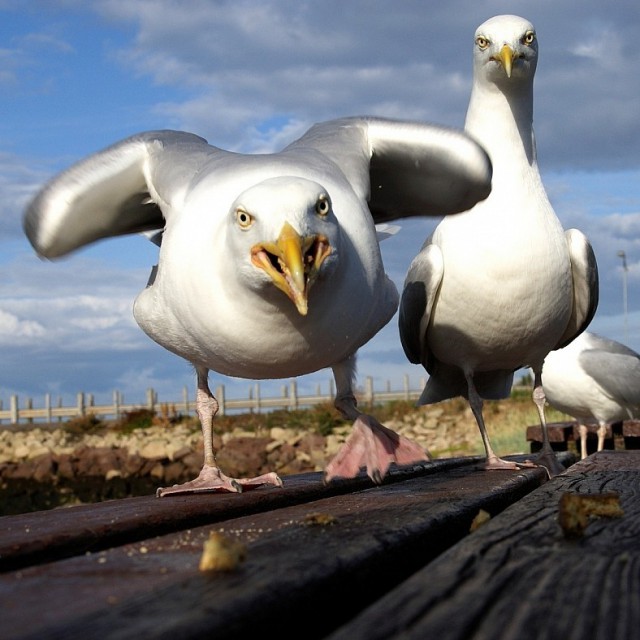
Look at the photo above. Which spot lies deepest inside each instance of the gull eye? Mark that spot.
(529, 37)
(244, 219)
(323, 206)
(482, 42)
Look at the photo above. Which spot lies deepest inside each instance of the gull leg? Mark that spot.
(582, 428)
(546, 457)
(602, 432)
(476, 404)
(370, 444)
(211, 477)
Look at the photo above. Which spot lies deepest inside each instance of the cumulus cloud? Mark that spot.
(13, 329)
(242, 61)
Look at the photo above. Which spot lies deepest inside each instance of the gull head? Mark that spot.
(287, 229)
(505, 49)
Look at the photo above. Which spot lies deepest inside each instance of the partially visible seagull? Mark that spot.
(596, 381)
(269, 265)
(497, 287)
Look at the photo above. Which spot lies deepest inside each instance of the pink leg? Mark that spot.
(211, 478)
(370, 444)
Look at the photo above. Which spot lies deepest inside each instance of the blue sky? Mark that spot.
(251, 76)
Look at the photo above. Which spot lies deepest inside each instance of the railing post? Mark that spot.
(80, 404)
(116, 404)
(405, 380)
(60, 407)
(293, 394)
(150, 399)
(47, 406)
(29, 407)
(368, 393)
(185, 399)
(15, 413)
(258, 404)
(221, 400)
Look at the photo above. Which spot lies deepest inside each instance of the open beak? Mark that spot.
(505, 58)
(292, 262)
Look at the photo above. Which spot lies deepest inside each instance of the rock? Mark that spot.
(192, 463)
(37, 452)
(43, 468)
(243, 456)
(157, 471)
(154, 450)
(21, 451)
(174, 474)
(181, 453)
(132, 465)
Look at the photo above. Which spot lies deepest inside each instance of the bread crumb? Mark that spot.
(319, 519)
(221, 553)
(576, 510)
(481, 518)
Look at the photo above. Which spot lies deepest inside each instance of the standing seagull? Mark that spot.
(499, 286)
(596, 381)
(269, 265)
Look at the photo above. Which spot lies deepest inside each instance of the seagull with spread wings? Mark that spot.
(269, 265)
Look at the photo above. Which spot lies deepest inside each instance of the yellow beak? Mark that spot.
(505, 57)
(292, 262)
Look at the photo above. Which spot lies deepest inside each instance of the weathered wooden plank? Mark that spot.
(592, 432)
(44, 536)
(631, 434)
(559, 434)
(519, 577)
(300, 579)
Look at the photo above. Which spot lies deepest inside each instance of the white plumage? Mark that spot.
(596, 381)
(497, 287)
(269, 265)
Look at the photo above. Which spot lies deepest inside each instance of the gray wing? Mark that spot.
(617, 370)
(404, 168)
(419, 293)
(584, 271)
(113, 192)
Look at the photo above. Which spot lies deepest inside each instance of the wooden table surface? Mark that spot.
(348, 560)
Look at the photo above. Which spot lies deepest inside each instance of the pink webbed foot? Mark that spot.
(375, 447)
(211, 479)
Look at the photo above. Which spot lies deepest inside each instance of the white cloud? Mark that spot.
(13, 329)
